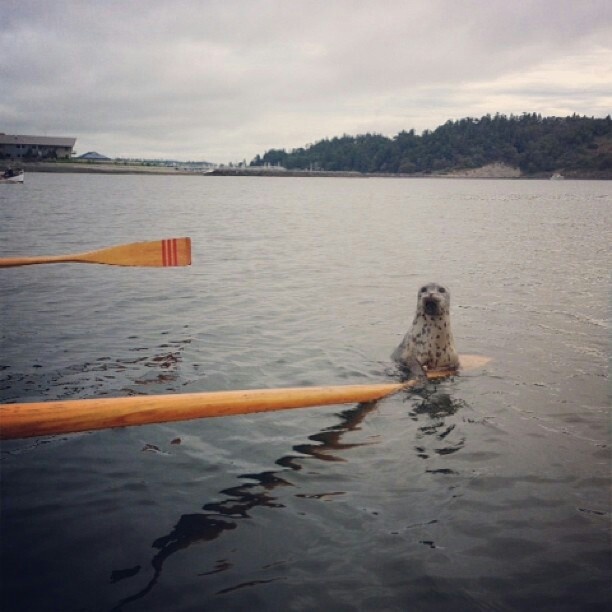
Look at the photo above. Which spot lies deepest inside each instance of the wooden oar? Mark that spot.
(44, 418)
(156, 253)
(59, 417)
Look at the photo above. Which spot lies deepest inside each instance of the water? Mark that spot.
(489, 491)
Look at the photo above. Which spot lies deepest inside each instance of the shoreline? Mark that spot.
(99, 168)
(493, 171)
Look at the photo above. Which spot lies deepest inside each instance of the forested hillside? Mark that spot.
(576, 145)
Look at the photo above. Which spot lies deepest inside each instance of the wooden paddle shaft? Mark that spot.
(12, 262)
(58, 417)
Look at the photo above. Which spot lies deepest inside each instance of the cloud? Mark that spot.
(225, 80)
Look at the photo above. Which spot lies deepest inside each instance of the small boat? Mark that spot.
(12, 176)
(557, 177)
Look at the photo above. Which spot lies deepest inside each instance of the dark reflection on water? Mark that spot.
(436, 406)
(157, 366)
(240, 500)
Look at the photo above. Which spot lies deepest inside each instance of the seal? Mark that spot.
(430, 339)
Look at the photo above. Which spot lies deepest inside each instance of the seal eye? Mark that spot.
(423, 289)
(442, 290)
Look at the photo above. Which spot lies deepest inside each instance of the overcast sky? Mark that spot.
(224, 80)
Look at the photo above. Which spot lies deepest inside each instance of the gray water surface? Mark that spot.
(488, 491)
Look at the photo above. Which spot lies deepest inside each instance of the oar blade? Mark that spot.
(473, 362)
(170, 252)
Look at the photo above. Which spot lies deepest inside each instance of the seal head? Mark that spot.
(430, 339)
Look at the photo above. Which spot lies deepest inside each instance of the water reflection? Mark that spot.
(156, 366)
(239, 501)
(436, 436)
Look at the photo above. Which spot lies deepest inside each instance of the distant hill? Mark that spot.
(537, 146)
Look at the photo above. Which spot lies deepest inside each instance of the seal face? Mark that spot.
(429, 340)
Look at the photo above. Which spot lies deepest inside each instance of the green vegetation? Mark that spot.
(537, 145)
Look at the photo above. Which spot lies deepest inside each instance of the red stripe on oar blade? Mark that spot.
(170, 252)
(164, 253)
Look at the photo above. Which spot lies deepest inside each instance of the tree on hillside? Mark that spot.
(531, 142)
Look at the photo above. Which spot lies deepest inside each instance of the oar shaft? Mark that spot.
(58, 417)
(11, 262)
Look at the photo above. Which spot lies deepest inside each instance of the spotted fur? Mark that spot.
(429, 340)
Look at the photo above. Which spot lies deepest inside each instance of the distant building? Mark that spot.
(35, 147)
(94, 156)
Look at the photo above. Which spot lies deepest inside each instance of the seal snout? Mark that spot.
(431, 306)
